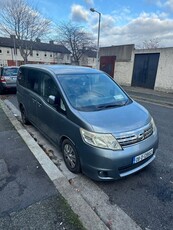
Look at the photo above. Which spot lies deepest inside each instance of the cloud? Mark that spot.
(144, 27)
(108, 22)
(123, 27)
(122, 15)
(168, 5)
(89, 2)
(78, 13)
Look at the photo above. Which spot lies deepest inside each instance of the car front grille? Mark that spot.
(136, 136)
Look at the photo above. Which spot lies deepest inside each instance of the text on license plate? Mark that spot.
(142, 156)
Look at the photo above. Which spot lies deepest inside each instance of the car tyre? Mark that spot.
(24, 118)
(71, 157)
(1, 90)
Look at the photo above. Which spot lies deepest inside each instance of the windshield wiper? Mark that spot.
(112, 105)
(105, 106)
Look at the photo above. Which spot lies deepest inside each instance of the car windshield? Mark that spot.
(10, 71)
(91, 92)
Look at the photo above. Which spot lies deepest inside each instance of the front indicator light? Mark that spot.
(153, 125)
(101, 140)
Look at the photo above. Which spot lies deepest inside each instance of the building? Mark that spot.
(147, 68)
(47, 53)
(88, 58)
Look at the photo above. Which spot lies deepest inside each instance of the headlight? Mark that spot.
(101, 140)
(153, 124)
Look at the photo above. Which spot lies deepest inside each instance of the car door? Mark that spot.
(33, 99)
(51, 115)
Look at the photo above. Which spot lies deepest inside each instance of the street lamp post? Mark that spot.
(97, 58)
(14, 47)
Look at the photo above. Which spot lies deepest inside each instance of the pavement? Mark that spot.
(148, 95)
(35, 194)
(28, 197)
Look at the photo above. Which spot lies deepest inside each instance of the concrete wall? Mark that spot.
(123, 53)
(123, 72)
(124, 62)
(88, 61)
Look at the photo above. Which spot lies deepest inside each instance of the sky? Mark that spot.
(122, 21)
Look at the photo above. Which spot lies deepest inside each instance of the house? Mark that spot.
(47, 53)
(88, 58)
(147, 68)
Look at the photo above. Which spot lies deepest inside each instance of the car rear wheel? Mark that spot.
(24, 118)
(70, 156)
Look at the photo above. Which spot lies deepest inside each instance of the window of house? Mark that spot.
(50, 55)
(0, 51)
(45, 55)
(37, 54)
(8, 51)
(62, 56)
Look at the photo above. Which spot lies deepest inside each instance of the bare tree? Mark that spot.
(19, 19)
(150, 44)
(74, 38)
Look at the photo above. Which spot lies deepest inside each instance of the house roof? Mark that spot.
(36, 45)
(90, 53)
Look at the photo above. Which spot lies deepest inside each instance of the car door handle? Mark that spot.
(39, 104)
(34, 100)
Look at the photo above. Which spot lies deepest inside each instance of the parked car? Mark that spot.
(8, 77)
(102, 132)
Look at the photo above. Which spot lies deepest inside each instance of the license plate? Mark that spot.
(142, 156)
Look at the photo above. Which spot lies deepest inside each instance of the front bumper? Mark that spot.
(102, 164)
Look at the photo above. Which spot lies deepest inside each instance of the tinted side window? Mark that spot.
(49, 88)
(33, 80)
(22, 76)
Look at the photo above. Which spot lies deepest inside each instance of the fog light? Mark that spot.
(103, 173)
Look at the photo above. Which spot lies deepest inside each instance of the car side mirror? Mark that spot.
(51, 100)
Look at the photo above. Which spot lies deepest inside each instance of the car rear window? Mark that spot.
(9, 71)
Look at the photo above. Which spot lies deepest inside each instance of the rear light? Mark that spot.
(2, 79)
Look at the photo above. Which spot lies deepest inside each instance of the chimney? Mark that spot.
(51, 42)
(37, 40)
(12, 36)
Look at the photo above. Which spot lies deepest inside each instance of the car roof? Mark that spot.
(62, 69)
(9, 67)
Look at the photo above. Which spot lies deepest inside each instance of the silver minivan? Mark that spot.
(101, 131)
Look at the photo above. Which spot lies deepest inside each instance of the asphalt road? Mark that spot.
(147, 196)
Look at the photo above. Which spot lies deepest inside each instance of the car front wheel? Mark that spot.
(70, 156)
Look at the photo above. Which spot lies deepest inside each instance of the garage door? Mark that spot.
(145, 70)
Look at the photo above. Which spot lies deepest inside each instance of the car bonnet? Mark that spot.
(115, 120)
